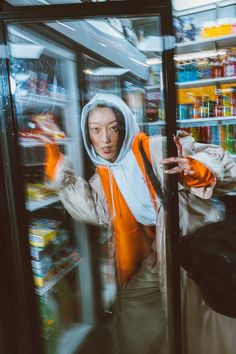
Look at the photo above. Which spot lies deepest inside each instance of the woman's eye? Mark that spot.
(114, 129)
(95, 130)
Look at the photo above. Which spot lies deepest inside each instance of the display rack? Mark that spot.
(205, 44)
(35, 100)
(198, 122)
(53, 280)
(206, 82)
(38, 204)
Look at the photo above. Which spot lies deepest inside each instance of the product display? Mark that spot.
(217, 66)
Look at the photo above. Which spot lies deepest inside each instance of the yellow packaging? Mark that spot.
(41, 237)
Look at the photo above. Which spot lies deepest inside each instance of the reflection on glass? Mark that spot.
(121, 92)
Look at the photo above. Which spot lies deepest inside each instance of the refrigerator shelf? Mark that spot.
(74, 261)
(35, 205)
(35, 100)
(206, 44)
(160, 122)
(198, 122)
(206, 82)
(36, 143)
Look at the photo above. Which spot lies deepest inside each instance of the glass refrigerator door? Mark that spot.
(43, 86)
(44, 89)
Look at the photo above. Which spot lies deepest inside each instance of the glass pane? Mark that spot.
(99, 97)
(206, 111)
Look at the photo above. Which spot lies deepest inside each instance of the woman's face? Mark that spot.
(104, 133)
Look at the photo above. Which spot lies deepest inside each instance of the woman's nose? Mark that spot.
(105, 136)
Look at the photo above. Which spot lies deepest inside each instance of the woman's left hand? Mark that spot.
(183, 164)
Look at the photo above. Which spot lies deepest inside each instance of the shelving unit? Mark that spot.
(205, 44)
(35, 143)
(73, 261)
(206, 82)
(35, 205)
(35, 100)
(198, 122)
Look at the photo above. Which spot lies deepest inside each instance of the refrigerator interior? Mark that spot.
(49, 85)
(43, 81)
(205, 61)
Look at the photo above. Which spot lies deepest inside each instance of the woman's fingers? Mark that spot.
(178, 145)
(182, 167)
(174, 159)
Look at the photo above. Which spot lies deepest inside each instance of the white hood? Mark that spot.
(125, 169)
(131, 126)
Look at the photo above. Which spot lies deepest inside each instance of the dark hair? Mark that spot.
(120, 120)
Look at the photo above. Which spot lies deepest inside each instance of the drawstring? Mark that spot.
(112, 194)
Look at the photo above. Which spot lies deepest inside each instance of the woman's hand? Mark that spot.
(183, 164)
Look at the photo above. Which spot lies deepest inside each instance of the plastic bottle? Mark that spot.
(230, 137)
(218, 112)
(232, 100)
(217, 69)
(204, 108)
(197, 107)
(230, 65)
(50, 323)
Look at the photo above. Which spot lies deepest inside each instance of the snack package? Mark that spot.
(47, 123)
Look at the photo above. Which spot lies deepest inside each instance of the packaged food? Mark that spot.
(41, 237)
(37, 191)
(47, 123)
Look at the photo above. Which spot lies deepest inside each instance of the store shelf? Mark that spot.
(74, 260)
(36, 143)
(159, 122)
(206, 44)
(35, 205)
(207, 82)
(34, 100)
(198, 122)
(154, 87)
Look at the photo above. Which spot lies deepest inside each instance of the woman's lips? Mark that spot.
(106, 150)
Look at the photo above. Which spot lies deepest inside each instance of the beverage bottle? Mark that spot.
(230, 138)
(218, 107)
(204, 108)
(215, 135)
(223, 133)
(217, 68)
(207, 69)
(50, 323)
(230, 65)
(233, 102)
(197, 107)
(226, 109)
(200, 69)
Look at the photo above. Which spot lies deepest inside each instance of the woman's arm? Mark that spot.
(202, 167)
(75, 193)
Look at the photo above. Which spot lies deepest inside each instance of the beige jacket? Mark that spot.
(204, 331)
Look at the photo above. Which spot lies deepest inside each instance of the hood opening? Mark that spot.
(128, 126)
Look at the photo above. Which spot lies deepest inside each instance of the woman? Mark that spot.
(121, 196)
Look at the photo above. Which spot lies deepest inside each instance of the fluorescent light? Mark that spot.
(153, 61)
(102, 44)
(88, 71)
(65, 25)
(137, 61)
(103, 70)
(29, 51)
